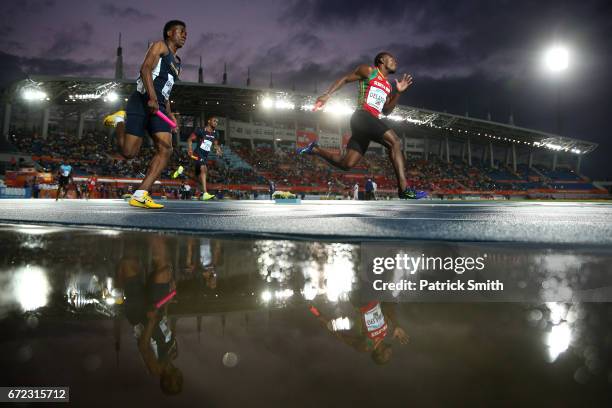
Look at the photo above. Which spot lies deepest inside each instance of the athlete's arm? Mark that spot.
(218, 150)
(362, 71)
(151, 60)
(190, 145)
(389, 312)
(172, 117)
(400, 86)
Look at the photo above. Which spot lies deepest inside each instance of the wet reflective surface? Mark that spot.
(279, 323)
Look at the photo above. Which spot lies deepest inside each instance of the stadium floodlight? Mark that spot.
(111, 97)
(284, 104)
(338, 109)
(557, 58)
(32, 94)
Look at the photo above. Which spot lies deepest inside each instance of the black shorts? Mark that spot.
(140, 298)
(138, 119)
(64, 181)
(365, 128)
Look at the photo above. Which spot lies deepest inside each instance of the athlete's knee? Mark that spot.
(165, 150)
(128, 153)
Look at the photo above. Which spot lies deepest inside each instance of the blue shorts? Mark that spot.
(139, 119)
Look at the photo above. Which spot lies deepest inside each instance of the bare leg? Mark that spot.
(163, 147)
(345, 162)
(129, 145)
(203, 170)
(396, 156)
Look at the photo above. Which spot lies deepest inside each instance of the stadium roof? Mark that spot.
(191, 98)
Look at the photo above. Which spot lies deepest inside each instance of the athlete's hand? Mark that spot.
(403, 84)
(400, 335)
(321, 100)
(177, 128)
(153, 106)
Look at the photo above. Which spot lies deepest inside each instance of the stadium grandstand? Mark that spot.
(48, 120)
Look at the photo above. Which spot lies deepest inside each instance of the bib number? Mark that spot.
(206, 145)
(376, 98)
(374, 318)
(168, 87)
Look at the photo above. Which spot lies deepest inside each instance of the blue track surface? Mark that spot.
(537, 222)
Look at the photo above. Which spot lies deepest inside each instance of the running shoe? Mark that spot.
(178, 172)
(145, 202)
(307, 149)
(114, 118)
(412, 194)
(283, 195)
(206, 197)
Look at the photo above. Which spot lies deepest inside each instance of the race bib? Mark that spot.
(374, 319)
(376, 98)
(206, 144)
(168, 87)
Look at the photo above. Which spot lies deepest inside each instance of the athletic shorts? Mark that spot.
(64, 181)
(140, 298)
(138, 119)
(365, 128)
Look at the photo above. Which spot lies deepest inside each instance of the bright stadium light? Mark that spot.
(339, 109)
(31, 94)
(111, 97)
(283, 104)
(557, 58)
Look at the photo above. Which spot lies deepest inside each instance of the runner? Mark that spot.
(374, 99)
(159, 70)
(205, 139)
(91, 185)
(65, 179)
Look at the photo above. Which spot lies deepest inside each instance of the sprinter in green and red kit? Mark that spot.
(375, 99)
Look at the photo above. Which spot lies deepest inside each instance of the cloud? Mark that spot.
(130, 13)
(15, 67)
(69, 40)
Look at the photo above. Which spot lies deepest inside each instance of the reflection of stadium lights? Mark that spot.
(31, 94)
(267, 103)
(557, 58)
(266, 296)
(558, 340)
(31, 288)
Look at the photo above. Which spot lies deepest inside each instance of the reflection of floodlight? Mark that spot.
(267, 103)
(266, 296)
(557, 59)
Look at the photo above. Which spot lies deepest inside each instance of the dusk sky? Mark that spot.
(474, 56)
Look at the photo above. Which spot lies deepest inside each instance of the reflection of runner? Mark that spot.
(205, 260)
(367, 333)
(374, 99)
(156, 341)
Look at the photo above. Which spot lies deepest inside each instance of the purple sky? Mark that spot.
(475, 56)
